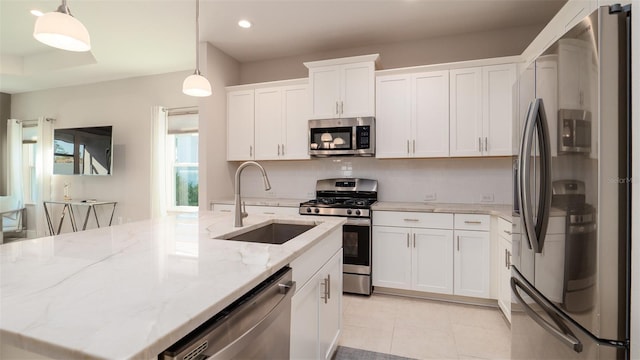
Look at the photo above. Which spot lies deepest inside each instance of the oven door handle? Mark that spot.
(358, 221)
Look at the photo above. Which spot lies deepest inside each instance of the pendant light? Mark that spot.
(196, 84)
(61, 30)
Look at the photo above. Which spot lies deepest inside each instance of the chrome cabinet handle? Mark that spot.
(329, 286)
(225, 210)
(327, 289)
(508, 259)
(473, 222)
(268, 213)
(414, 240)
(278, 149)
(507, 232)
(408, 146)
(486, 144)
(412, 220)
(337, 108)
(479, 145)
(458, 240)
(407, 239)
(341, 107)
(250, 150)
(414, 146)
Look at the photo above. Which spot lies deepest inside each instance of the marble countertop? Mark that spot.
(263, 201)
(503, 211)
(132, 290)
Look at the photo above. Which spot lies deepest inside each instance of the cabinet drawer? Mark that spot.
(472, 222)
(413, 219)
(272, 210)
(222, 208)
(505, 229)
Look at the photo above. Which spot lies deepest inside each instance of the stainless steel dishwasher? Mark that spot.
(256, 326)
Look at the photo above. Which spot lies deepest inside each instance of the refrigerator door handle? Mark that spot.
(560, 331)
(524, 193)
(536, 124)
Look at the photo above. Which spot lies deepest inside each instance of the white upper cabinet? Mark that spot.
(412, 115)
(497, 108)
(268, 123)
(465, 112)
(240, 130)
(342, 88)
(281, 117)
(481, 114)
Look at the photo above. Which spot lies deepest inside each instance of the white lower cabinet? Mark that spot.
(472, 255)
(504, 267)
(426, 252)
(413, 258)
(255, 209)
(316, 313)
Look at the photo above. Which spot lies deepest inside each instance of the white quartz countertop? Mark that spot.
(504, 211)
(132, 290)
(263, 201)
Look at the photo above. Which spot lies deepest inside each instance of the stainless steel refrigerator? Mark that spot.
(570, 277)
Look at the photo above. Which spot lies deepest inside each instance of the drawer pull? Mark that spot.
(269, 213)
(472, 222)
(412, 220)
(507, 232)
(458, 240)
(408, 240)
(225, 210)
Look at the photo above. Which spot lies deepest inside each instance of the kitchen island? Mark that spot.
(132, 290)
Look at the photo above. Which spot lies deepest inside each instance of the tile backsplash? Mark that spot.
(451, 180)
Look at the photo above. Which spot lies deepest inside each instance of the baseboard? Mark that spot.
(466, 300)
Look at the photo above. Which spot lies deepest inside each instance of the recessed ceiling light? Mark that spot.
(244, 24)
(37, 12)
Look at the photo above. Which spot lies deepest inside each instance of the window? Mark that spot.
(182, 161)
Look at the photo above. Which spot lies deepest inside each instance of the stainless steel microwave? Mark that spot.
(574, 131)
(342, 137)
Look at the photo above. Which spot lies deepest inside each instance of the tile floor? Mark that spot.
(424, 329)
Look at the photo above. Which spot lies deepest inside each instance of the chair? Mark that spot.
(12, 214)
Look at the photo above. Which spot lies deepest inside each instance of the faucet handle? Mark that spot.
(244, 210)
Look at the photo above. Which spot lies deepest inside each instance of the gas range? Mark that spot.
(351, 198)
(348, 197)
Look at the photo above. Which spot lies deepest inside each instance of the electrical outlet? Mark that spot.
(487, 197)
(430, 197)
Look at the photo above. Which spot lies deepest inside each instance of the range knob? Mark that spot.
(308, 209)
(358, 212)
(316, 210)
(348, 211)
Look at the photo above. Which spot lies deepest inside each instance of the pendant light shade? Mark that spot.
(196, 84)
(61, 30)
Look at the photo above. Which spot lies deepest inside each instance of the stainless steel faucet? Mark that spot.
(239, 214)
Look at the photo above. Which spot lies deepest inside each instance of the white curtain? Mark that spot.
(15, 187)
(158, 162)
(44, 170)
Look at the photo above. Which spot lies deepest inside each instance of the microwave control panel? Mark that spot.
(363, 137)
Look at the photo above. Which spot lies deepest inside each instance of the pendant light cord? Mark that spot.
(63, 8)
(197, 37)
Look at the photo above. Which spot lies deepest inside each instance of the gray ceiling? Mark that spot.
(143, 37)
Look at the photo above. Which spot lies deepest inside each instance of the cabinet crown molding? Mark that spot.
(341, 61)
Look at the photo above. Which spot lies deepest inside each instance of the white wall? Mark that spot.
(453, 180)
(215, 173)
(482, 45)
(124, 104)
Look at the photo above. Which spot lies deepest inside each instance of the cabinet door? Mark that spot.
(504, 276)
(432, 260)
(430, 114)
(357, 90)
(240, 114)
(330, 309)
(324, 83)
(393, 116)
(465, 112)
(304, 320)
(268, 123)
(573, 74)
(471, 263)
(296, 119)
(391, 259)
(497, 83)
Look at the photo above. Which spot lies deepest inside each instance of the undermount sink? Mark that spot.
(273, 233)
